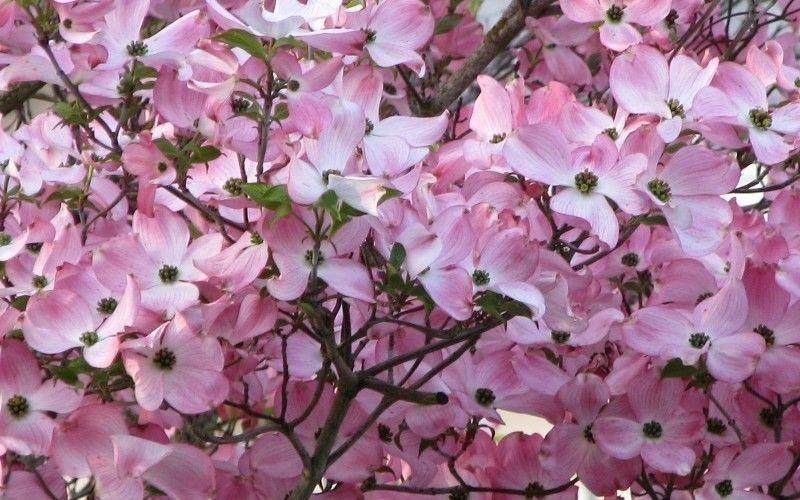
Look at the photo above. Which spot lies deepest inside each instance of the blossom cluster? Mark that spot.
(282, 249)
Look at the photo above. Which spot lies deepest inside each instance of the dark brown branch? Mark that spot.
(16, 96)
(497, 39)
(403, 394)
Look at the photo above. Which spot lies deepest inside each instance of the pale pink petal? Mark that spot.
(450, 289)
(698, 170)
(733, 358)
(639, 80)
(769, 147)
(786, 119)
(491, 114)
(347, 277)
(185, 472)
(540, 153)
(619, 36)
(619, 437)
(647, 12)
(170, 297)
(592, 208)
(583, 11)
(760, 464)
(668, 457)
(305, 184)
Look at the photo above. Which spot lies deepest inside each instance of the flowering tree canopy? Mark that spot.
(282, 249)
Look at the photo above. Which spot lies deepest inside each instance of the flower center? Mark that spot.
(136, 49)
(164, 358)
(309, 257)
(497, 138)
(484, 396)
(240, 104)
(168, 274)
(660, 190)
(369, 126)
(34, 247)
(328, 173)
(371, 35)
(256, 239)
(612, 133)
(385, 433)
(614, 14)
(671, 18)
(107, 305)
(5, 239)
(652, 430)
(698, 340)
(585, 181)
(293, 85)
(588, 434)
(559, 336)
(676, 108)
(89, 338)
(480, 277)
(630, 259)
(18, 406)
(534, 490)
(715, 426)
(39, 281)
(703, 296)
(768, 334)
(760, 118)
(233, 186)
(724, 488)
(768, 416)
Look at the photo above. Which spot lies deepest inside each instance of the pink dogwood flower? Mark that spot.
(161, 259)
(176, 365)
(587, 176)
(738, 99)
(179, 470)
(62, 320)
(572, 446)
(25, 424)
(644, 82)
(616, 19)
(713, 330)
(659, 429)
(732, 475)
(122, 40)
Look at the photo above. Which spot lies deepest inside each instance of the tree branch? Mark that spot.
(16, 96)
(498, 38)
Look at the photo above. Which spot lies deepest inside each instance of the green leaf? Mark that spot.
(20, 302)
(69, 371)
(64, 373)
(165, 146)
(654, 220)
(500, 306)
(66, 193)
(310, 311)
(245, 41)
(447, 23)
(281, 112)
(272, 197)
(329, 201)
(288, 41)
(71, 113)
(676, 369)
(204, 154)
(397, 256)
(389, 194)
